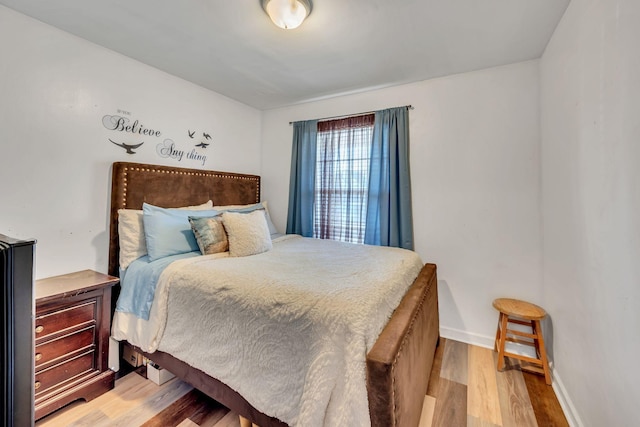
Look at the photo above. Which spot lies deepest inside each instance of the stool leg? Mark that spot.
(543, 353)
(495, 342)
(536, 340)
(503, 338)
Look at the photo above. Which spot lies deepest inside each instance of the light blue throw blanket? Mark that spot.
(138, 283)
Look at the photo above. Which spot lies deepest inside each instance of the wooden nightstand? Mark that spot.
(72, 327)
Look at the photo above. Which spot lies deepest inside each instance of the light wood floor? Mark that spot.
(464, 390)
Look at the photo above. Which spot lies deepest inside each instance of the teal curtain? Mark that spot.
(389, 213)
(302, 181)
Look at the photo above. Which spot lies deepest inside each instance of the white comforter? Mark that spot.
(288, 329)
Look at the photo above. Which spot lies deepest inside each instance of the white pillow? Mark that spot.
(131, 233)
(250, 207)
(248, 233)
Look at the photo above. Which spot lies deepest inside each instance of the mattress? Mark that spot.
(289, 329)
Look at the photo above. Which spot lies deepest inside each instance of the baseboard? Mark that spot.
(487, 342)
(568, 408)
(467, 337)
(484, 341)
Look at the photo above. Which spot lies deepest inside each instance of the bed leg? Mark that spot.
(245, 422)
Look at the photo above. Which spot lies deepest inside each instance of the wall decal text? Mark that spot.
(129, 129)
(168, 149)
(123, 124)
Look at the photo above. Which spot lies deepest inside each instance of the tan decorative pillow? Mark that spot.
(210, 234)
(248, 233)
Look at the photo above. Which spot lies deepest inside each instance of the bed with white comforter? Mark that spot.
(289, 329)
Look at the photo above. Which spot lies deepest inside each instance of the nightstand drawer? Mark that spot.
(75, 316)
(52, 351)
(57, 375)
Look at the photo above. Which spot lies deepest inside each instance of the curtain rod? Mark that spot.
(410, 107)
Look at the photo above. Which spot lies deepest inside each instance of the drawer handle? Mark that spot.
(37, 385)
(39, 329)
(38, 356)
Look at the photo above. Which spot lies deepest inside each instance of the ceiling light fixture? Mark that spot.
(287, 14)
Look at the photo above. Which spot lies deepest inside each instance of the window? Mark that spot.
(342, 178)
(350, 179)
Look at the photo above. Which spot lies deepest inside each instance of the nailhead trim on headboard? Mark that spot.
(204, 173)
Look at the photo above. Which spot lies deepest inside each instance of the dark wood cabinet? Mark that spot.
(16, 322)
(72, 325)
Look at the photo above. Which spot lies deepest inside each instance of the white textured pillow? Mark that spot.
(248, 233)
(131, 233)
(248, 208)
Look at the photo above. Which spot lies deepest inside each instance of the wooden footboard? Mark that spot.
(399, 364)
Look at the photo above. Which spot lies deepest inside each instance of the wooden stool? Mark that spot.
(521, 313)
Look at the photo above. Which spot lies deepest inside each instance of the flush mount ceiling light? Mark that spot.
(287, 14)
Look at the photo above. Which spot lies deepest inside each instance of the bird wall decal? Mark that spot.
(127, 147)
(206, 135)
(202, 144)
(191, 133)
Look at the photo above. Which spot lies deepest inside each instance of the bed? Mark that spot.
(399, 362)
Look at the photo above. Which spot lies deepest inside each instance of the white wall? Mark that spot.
(55, 154)
(478, 190)
(475, 179)
(590, 100)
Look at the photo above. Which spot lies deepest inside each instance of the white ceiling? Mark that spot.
(345, 46)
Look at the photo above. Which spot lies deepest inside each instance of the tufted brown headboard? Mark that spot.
(169, 187)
